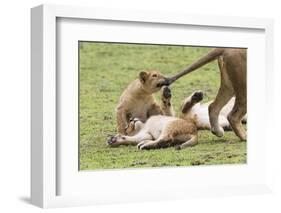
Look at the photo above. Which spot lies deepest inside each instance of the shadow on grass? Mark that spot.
(25, 199)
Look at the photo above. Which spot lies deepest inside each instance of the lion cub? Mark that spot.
(193, 109)
(160, 131)
(137, 100)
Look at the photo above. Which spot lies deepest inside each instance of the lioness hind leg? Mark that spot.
(235, 116)
(237, 71)
(225, 93)
(244, 119)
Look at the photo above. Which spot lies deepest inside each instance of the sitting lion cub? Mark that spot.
(137, 100)
(162, 131)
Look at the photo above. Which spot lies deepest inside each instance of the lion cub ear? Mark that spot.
(143, 76)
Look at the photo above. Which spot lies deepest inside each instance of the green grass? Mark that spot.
(106, 70)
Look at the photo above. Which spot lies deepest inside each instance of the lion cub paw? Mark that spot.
(166, 92)
(114, 140)
(197, 96)
(166, 96)
(111, 140)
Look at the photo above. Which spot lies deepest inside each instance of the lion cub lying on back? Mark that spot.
(137, 100)
(162, 131)
(199, 112)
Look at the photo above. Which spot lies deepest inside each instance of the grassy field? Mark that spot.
(106, 70)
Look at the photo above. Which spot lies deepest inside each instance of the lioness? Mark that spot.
(137, 100)
(232, 65)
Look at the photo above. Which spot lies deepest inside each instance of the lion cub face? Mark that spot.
(134, 126)
(152, 81)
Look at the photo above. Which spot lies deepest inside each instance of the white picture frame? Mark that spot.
(45, 168)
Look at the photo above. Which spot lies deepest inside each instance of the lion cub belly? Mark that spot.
(200, 113)
(156, 124)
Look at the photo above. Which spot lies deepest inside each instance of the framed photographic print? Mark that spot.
(130, 106)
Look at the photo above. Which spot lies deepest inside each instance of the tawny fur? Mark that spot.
(162, 131)
(137, 100)
(192, 108)
(233, 68)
